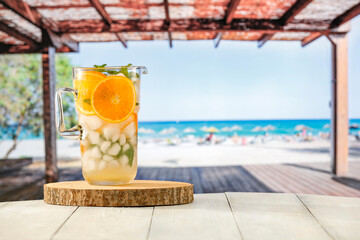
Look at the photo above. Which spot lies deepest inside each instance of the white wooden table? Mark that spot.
(211, 216)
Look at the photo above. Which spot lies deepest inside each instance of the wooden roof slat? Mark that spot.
(231, 10)
(290, 14)
(346, 16)
(266, 25)
(167, 19)
(121, 39)
(217, 39)
(18, 35)
(264, 38)
(309, 39)
(107, 19)
(33, 16)
(30, 14)
(101, 10)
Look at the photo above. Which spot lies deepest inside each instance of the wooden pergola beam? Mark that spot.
(121, 39)
(264, 38)
(101, 10)
(346, 16)
(48, 70)
(47, 26)
(229, 16)
(18, 35)
(107, 20)
(312, 37)
(180, 25)
(15, 49)
(290, 14)
(339, 104)
(167, 20)
(217, 39)
(30, 14)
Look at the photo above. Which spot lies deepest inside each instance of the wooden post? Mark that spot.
(339, 104)
(48, 65)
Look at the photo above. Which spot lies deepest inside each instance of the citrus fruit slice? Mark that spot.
(114, 99)
(85, 83)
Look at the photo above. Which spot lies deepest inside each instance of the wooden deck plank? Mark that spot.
(35, 219)
(340, 216)
(107, 223)
(208, 217)
(274, 216)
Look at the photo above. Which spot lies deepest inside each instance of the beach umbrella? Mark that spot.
(257, 129)
(146, 130)
(269, 128)
(204, 128)
(236, 128)
(189, 130)
(212, 130)
(326, 126)
(354, 126)
(302, 127)
(168, 131)
(226, 129)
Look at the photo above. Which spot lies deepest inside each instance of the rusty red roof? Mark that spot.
(28, 25)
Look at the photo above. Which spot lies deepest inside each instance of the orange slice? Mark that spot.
(114, 99)
(85, 83)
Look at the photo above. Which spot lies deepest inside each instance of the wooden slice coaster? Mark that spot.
(138, 193)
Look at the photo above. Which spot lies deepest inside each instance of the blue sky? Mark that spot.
(195, 81)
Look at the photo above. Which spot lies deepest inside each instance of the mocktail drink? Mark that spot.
(107, 104)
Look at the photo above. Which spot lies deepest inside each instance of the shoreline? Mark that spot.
(190, 154)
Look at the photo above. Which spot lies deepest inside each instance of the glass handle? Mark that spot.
(74, 133)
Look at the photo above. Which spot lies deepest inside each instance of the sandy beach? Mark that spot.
(189, 154)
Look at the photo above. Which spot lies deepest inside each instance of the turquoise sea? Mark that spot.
(229, 128)
(239, 127)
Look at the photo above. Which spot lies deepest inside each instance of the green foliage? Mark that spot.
(21, 94)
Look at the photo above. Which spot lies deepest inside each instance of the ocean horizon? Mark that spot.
(198, 128)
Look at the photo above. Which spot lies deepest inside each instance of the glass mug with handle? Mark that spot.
(107, 104)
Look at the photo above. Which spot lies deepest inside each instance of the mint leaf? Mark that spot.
(137, 104)
(100, 66)
(130, 154)
(123, 70)
(87, 101)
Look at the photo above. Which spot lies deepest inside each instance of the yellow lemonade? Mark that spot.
(107, 107)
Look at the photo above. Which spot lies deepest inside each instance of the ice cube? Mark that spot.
(129, 130)
(114, 149)
(120, 74)
(126, 147)
(133, 140)
(91, 122)
(95, 152)
(122, 139)
(89, 164)
(86, 155)
(107, 158)
(112, 164)
(104, 146)
(115, 137)
(94, 137)
(123, 160)
(110, 130)
(102, 165)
